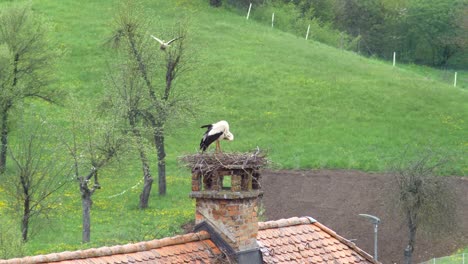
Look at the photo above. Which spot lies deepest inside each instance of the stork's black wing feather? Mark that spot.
(207, 126)
(208, 139)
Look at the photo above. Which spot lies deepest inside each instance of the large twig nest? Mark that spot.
(207, 162)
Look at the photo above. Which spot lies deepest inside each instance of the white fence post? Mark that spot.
(463, 258)
(394, 58)
(307, 35)
(248, 12)
(272, 19)
(433, 261)
(455, 80)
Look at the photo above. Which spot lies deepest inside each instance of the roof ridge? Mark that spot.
(112, 250)
(285, 222)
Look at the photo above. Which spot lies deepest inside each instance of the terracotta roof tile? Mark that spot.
(181, 247)
(304, 240)
(293, 240)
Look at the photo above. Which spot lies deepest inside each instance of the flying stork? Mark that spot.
(215, 132)
(164, 44)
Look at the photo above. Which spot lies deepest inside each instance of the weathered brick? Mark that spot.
(236, 183)
(234, 211)
(195, 185)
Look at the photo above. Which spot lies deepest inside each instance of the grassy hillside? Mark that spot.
(308, 105)
(314, 106)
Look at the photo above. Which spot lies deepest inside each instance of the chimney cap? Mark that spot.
(226, 195)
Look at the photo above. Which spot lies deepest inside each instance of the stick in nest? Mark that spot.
(210, 162)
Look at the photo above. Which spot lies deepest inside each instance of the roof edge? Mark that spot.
(347, 242)
(112, 250)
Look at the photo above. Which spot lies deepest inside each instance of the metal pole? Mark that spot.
(376, 221)
(308, 29)
(376, 226)
(394, 58)
(272, 19)
(463, 258)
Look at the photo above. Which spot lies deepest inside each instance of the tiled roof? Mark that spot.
(304, 240)
(293, 240)
(189, 248)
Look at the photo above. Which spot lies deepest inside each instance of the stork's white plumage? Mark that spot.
(164, 44)
(216, 132)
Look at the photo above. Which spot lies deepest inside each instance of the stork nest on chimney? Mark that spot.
(207, 162)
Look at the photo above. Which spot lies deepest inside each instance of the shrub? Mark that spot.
(215, 3)
(243, 3)
(289, 18)
(10, 240)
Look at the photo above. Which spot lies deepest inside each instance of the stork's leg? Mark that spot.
(218, 147)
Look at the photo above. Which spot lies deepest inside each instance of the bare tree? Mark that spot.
(165, 103)
(93, 145)
(425, 200)
(126, 98)
(38, 174)
(26, 59)
(157, 66)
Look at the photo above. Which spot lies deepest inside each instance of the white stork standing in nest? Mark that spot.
(216, 132)
(164, 44)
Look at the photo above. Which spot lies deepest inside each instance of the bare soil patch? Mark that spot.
(336, 197)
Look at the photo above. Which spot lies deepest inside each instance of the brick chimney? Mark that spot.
(227, 207)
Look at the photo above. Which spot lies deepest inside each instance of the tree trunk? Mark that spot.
(4, 140)
(25, 220)
(148, 179)
(412, 239)
(159, 142)
(148, 183)
(86, 203)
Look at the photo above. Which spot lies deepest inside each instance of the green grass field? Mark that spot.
(306, 104)
(459, 257)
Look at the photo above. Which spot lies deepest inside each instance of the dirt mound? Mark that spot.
(336, 197)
